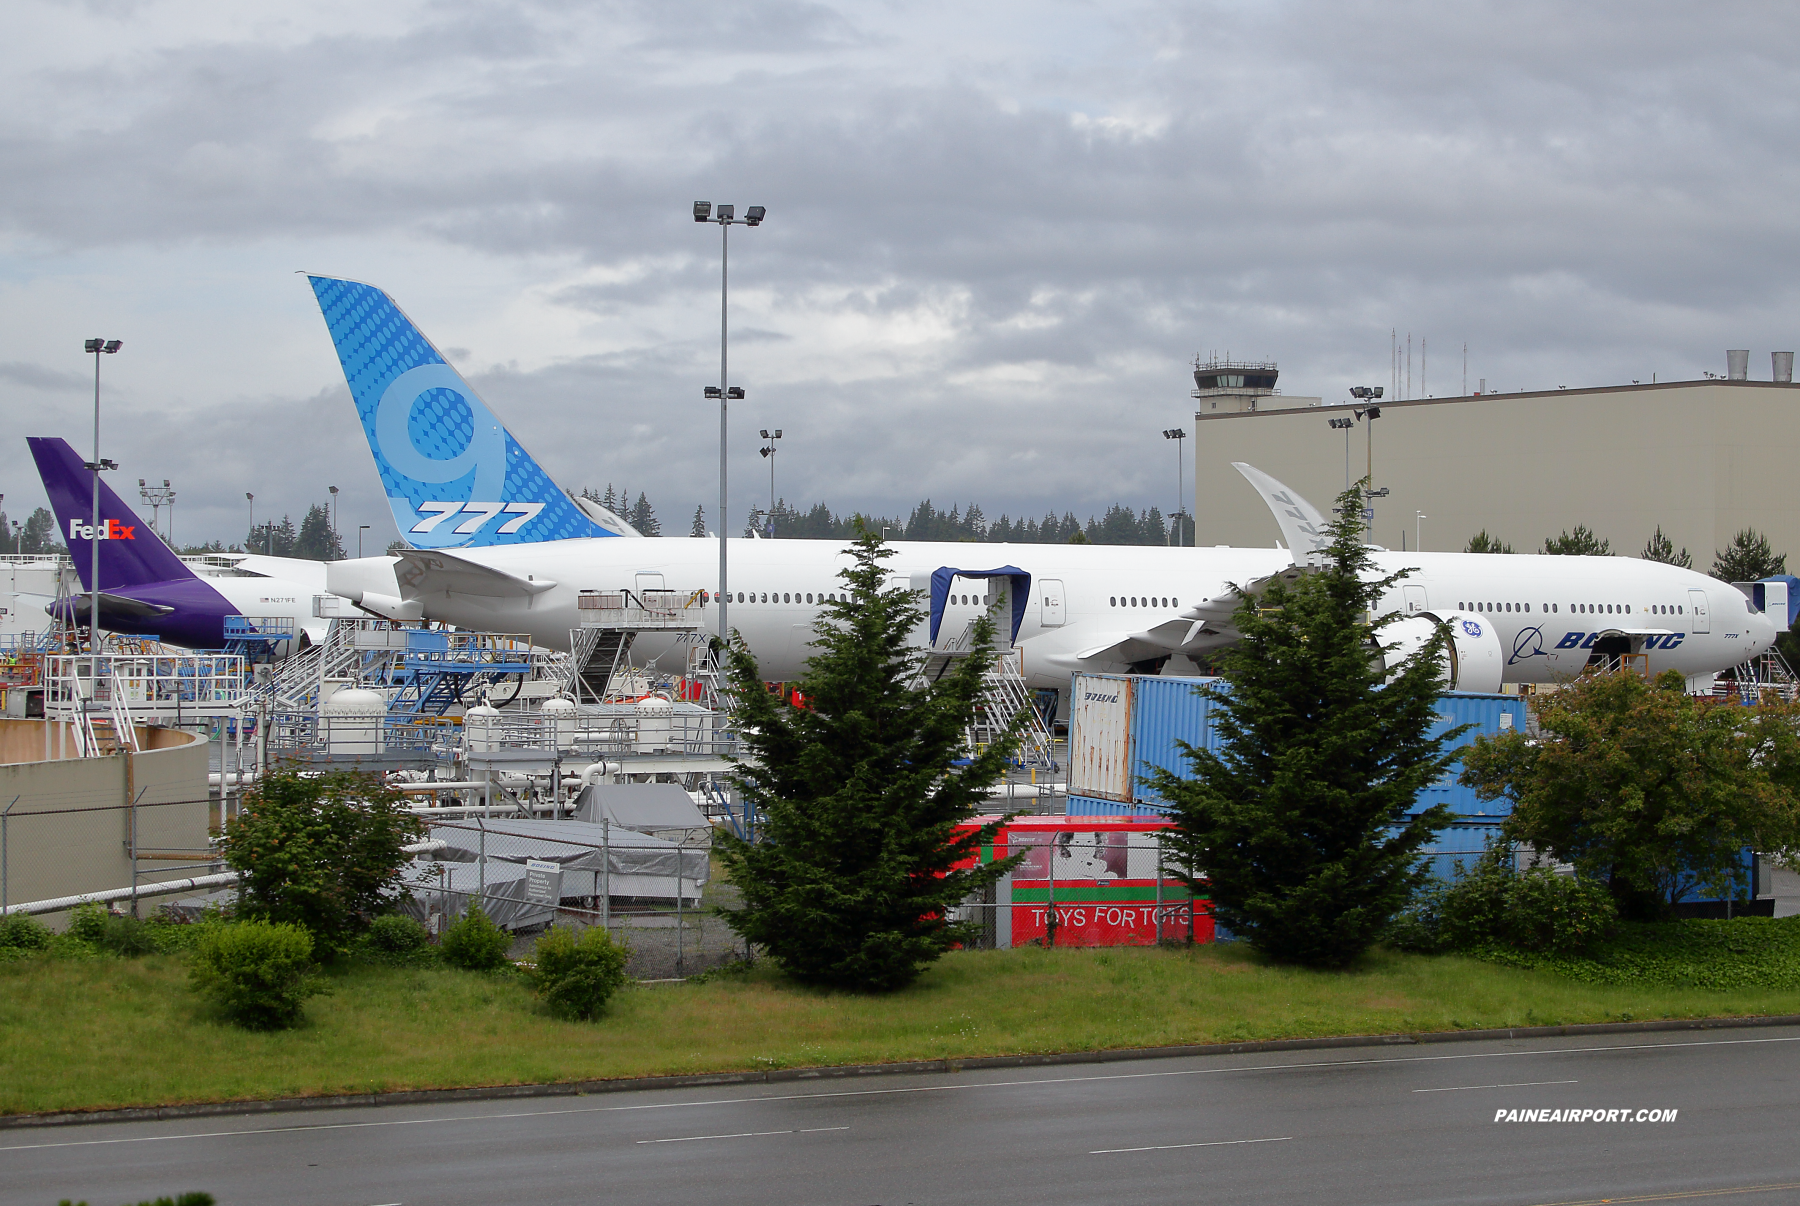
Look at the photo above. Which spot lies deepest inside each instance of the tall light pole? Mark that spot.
(726, 217)
(98, 347)
(159, 497)
(1178, 434)
(1344, 425)
(769, 451)
(1370, 493)
(1419, 518)
(360, 529)
(251, 538)
(334, 538)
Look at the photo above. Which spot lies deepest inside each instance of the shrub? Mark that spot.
(1496, 903)
(576, 974)
(475, 943)
(123, 934)
(258, 972)
(395, 934)
(88, 923)
(323, 851)
(21, 932)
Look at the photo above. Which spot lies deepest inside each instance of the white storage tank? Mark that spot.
(352, 722)
(655, 724)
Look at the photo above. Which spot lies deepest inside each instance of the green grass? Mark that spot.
(1747, 952)
(110, 1032)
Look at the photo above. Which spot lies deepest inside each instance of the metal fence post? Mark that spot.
(606, 873)
(1159, 891)
(5, 895)
(481, 861)
(680, 920)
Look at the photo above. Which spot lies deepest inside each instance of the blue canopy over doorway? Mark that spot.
(940, 593)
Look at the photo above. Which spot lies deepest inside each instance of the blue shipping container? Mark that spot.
(1165, 711)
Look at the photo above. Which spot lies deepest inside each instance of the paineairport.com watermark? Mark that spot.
(1568, 1115)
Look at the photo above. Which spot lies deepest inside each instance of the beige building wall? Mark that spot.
(1705, 459)
(69, 828)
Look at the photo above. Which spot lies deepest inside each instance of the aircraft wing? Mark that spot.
(1304, 530)
(422, 572)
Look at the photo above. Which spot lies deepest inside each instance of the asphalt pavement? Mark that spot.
(1382, 1125)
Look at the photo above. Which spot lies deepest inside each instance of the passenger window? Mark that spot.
(1112, 601)
(1174, 602)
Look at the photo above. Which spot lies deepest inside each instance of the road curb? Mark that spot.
(583, 1088)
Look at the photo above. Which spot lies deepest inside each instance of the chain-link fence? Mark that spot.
(654, 892)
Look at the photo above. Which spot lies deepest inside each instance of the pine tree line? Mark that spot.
(1749, 557)
(1118, 525)
(36, 534)
(313, 540)
(640, 515)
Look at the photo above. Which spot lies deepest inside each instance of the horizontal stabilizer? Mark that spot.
(422, 572)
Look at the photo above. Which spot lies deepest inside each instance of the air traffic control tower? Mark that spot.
(1237, 386)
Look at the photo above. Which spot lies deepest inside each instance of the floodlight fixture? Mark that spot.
(713, 391)
(702, 210)
(754, 215)
(726, 212)
(1374, 412)
(735, 393)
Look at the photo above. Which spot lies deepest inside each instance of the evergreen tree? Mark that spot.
(643, 518)
(273, 539)
(316, 541)
(1748, 558)
(1481, 542)
(1661, 548)
(38, 534)
(698, 527)
(1579, 543)
(851, 883)
(1297, 827)
(609, 500)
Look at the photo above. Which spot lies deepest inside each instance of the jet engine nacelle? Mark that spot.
(1475, 662)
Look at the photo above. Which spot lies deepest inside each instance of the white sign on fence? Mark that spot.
(543, 882)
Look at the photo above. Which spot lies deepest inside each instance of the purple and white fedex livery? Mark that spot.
(144, 587)
(498, 547)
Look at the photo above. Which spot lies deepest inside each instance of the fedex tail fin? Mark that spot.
(130, 553)
(454, 476)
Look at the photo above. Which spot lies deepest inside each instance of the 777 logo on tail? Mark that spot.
(479, 514)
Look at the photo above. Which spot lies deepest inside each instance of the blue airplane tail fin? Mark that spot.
(454, 476)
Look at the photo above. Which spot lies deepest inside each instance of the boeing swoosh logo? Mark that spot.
(1529, 643)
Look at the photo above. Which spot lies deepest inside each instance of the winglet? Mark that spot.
(1308, 534)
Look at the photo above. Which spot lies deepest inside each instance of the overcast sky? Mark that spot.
(998, 233)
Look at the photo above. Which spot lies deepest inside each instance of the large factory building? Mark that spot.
(1704, 459)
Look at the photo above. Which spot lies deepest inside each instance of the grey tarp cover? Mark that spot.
(641, 865)
(645, 807)
(449, 888)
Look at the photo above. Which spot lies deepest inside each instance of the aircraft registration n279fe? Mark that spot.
(499, 547)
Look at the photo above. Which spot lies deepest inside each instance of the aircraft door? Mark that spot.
(1415, 599)
(1697, 605)
(1052, 596)
(648, 582)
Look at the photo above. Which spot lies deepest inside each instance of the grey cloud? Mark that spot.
(1583, 194)
(36, 376)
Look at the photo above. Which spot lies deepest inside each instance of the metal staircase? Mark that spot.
(1006, 700)
(1763, 678)
(610, 622)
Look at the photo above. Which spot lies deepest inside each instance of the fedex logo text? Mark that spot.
(110, 529)
(1585, 640)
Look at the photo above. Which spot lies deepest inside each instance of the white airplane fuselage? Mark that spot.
(1106, 608)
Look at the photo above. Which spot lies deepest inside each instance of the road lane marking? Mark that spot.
(841, 1093)
(1524, 1084)
(1171, 1147)
(811, 1130)
(1678, 1195)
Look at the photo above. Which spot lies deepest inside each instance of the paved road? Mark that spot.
(1412, 1124)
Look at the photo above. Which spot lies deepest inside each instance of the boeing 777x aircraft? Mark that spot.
(497, 546)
